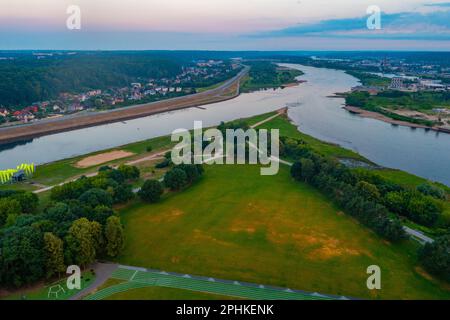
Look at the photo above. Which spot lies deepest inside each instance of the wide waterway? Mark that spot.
(424, 153)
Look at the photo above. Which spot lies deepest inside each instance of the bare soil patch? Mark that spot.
(102, 158)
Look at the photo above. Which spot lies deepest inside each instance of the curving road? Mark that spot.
(228, 90)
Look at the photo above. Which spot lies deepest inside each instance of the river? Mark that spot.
(421, 152)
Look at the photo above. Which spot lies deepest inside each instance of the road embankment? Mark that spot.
(226, 91)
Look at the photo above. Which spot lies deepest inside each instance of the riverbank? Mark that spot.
(310, 108)
(226, 91)
(138, 154)
(378, 116)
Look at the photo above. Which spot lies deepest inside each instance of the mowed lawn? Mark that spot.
(236, 224)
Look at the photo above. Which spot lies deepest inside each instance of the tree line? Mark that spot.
(77, 226)
(26, 80)
(265, 74)
(177, 178)
(375, 202)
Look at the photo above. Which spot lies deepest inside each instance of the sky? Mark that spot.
(225, 25)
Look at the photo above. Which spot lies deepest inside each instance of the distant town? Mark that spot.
(191, 80)
(411, 77)
(402, 89)
(404, 75)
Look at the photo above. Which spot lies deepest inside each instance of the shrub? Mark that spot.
(151, 191)
(122, 193)
(8, 207)
(296, 171)
(193, 171)
(175, 179)
(435, 257)
(433, 191)
(96, 197)
(163, 164)
(129, 172)
(368, 190)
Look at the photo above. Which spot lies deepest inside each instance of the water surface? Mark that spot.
(424, 153)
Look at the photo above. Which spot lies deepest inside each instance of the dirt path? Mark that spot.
(154, 156)
(279, 113)
(160, 154)
(148, 158)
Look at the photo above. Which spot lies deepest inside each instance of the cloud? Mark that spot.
(442, 4)
(434, 25)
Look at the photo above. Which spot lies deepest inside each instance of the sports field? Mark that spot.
(236, 224)
(125, 280)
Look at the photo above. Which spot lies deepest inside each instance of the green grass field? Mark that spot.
(235, 224)
(402, 178)
(41, 291)
(290, 130)
(213, 86)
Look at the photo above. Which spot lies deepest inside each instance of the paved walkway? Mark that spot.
(417, 235)
(279, 113)
(135, 277)
(103, 271)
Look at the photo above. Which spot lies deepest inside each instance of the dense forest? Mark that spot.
(26, 79)
(77, 226)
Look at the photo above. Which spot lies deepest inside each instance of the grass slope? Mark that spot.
(235, 224)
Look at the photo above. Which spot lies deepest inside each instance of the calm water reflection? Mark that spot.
(417, 151)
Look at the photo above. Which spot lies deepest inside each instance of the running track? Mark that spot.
(135, 278)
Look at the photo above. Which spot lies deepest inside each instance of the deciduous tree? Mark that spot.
(114, 236)
(151, 191)
(54, 254)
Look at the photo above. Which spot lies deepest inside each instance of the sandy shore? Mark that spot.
(379, 116)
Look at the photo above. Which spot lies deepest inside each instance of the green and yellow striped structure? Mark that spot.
(7, 175)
